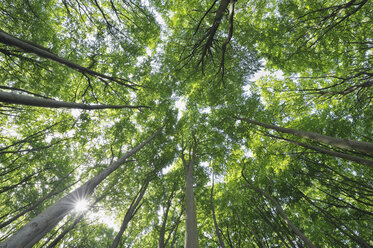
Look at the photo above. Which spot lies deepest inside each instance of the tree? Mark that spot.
(31, 233)
(364, 147)
(279, 158)
(47, 103)
(191, 231)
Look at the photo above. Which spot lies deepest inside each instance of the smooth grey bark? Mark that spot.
(331, 153)
(318, 149)
(39, 226)
(217, 230)
(76, 221)
(14, 98)
(341, 143)
(133, 208)
(191, 231)
(28, 46)
(281, 212)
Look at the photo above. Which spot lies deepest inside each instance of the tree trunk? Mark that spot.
(14, 98)
(174, 229)
(341, 143)
(213, 29)
(45, 53)
(76, 221)
(35, 230)
(331, 153)
(191, 231)
(228, 238)
(221, 241)
(162, 232)
(281, 212)
(131, 212)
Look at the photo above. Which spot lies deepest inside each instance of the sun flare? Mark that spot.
(81, 205)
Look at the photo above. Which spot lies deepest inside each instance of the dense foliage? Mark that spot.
(254, 108)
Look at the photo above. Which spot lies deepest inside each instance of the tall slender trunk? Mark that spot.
(216, 225)
(131, 212)
(191, 231)
(341, 143)
(38, 227)
(318, 149)
(230, 243)
(281, 212)
(174, 229)
(76, 221)
(161, 240)
(14, 98)
(331, 153)
(45, 53)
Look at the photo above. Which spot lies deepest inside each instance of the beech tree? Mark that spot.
(189, 124)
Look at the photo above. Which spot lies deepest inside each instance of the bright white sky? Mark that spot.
(263, 73)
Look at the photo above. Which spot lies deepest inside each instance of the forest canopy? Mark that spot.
(183, 123)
